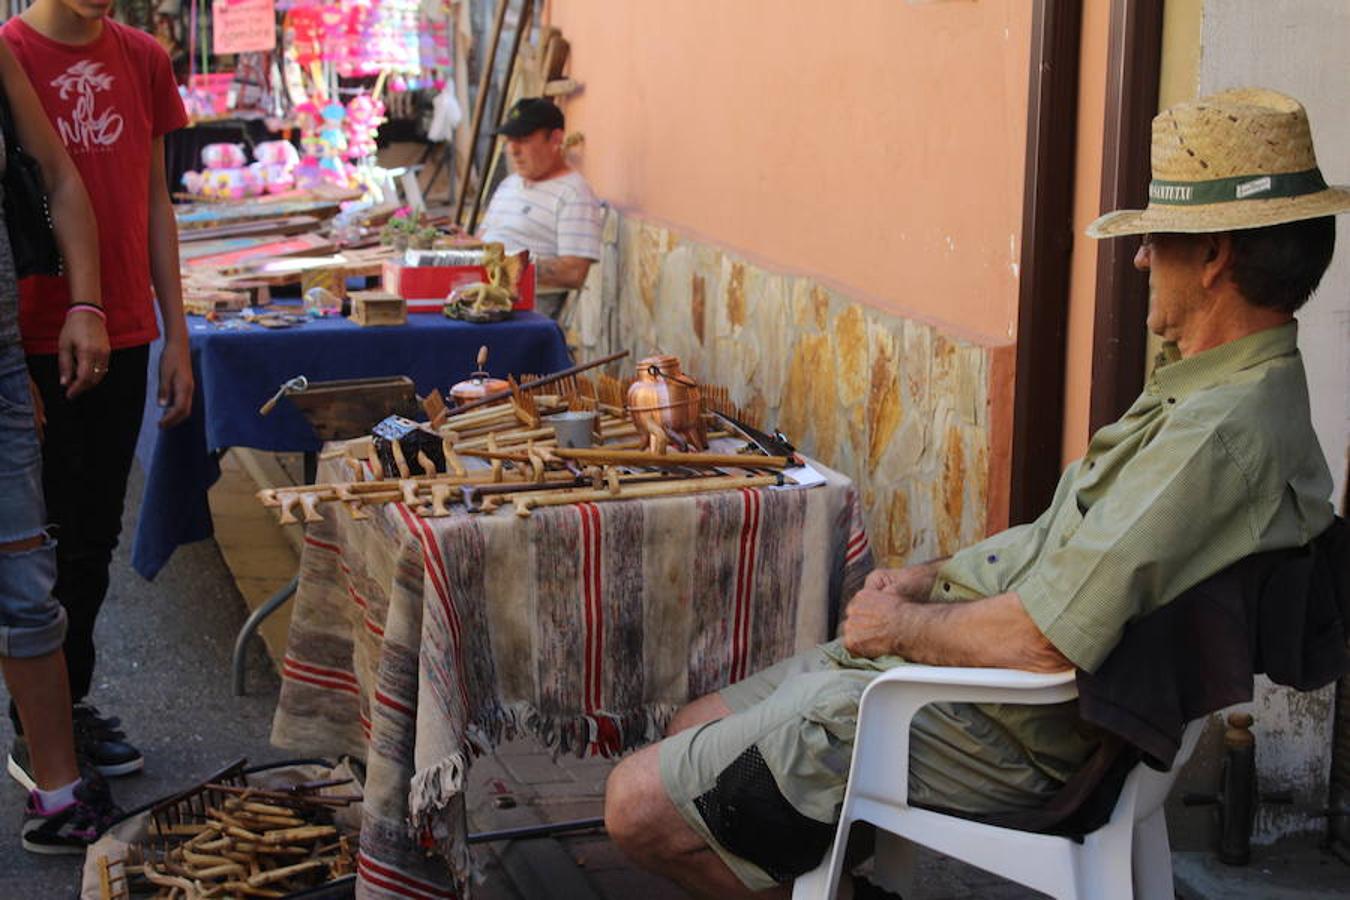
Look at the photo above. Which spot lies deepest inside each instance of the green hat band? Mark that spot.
(1241, 187)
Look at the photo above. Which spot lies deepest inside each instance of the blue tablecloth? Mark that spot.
(237, 371)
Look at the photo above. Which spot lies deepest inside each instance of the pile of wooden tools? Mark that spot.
(526, 467)
(231, 840)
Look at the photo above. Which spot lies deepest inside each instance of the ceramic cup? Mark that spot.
(574, 429)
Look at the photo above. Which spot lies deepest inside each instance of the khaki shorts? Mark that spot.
(763, 786)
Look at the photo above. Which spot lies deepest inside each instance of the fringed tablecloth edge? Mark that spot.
(435, 788)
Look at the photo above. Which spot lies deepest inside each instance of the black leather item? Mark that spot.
(29, 219)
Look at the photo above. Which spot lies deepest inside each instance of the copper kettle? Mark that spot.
(665, 405)
(479, 384)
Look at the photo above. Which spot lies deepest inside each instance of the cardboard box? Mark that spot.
(426, 287)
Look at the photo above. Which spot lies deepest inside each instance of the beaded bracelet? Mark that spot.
(87, 307)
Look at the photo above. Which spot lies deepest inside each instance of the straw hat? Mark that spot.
(1237, 159)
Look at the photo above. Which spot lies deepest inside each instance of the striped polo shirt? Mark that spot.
(556, 217)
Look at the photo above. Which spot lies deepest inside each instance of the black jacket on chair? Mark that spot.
(1282, 613)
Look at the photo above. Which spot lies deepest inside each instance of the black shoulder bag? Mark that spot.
(29, 219)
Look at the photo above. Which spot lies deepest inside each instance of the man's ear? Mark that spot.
(1218, 258)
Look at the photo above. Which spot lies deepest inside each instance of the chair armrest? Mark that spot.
(881, 745)
(976, 678)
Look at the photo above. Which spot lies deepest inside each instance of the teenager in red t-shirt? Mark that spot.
(108, 91)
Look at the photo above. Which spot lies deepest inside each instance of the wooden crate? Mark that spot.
(351, 407)
(200, 303)
(378, 308)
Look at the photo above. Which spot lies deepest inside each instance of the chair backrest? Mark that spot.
(1151, 787)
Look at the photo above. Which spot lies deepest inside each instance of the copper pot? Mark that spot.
(479, 384)
(664, 403)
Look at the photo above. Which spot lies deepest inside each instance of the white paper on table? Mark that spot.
(804, 475)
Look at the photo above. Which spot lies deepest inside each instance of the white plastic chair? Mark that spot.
(1126, 858)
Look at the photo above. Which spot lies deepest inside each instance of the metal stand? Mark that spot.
(533, 831)
(310, 470)
(250, 626)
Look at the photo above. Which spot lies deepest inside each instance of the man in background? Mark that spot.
(544, 206)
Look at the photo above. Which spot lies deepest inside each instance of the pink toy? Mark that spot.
(276, 164)
(277, 153)
(229, 176)
(224, 156)
(229, 184)
(276, 178)
(365, 114)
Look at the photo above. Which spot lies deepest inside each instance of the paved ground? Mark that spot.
(165, 670)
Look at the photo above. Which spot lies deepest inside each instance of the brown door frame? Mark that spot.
(1119, 339)
(1047, 246)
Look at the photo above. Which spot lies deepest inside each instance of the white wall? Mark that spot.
(1299, 47)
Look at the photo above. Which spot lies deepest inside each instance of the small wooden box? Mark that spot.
(200, 303)
(378, 308)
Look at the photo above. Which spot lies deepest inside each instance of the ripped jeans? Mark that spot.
(32, 622)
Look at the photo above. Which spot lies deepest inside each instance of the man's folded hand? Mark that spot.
(873, 623)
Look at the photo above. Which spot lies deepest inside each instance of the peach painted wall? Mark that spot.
(875, 145)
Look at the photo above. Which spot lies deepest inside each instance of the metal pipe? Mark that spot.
(272, 604)
(533, 831)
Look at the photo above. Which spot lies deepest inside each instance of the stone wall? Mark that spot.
(919, 419)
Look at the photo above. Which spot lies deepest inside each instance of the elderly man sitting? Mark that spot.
(1216, 460)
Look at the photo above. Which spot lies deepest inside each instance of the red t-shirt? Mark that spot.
(108, 100)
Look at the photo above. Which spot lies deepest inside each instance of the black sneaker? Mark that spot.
(73, 828)
(90, 712)
(103, 751)
(103, 745)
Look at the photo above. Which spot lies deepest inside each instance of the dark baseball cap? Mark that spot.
(529, 115)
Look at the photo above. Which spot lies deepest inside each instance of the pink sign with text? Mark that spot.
(242, 26)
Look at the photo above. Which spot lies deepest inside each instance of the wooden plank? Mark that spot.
(479, 105)
(199, 249)
(300, 245)
(205, 216)
(282, 226)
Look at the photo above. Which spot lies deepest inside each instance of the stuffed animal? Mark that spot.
(276, 162)
(333, 146)
(227, 175)
(365, 114)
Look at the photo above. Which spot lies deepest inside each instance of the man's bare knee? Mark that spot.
(639, 816)
(627, 798)
(707, 708)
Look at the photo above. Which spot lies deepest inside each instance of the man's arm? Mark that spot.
(562, 271)
(993, 631)
(175, 365)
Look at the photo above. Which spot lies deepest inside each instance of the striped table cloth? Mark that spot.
(417, 644)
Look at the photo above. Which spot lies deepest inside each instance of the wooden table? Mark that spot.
(417, 642)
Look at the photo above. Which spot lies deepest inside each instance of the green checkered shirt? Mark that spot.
(1216, 460)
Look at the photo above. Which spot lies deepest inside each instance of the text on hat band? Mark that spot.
(1239, 187)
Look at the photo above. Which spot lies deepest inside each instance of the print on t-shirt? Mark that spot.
(85, 129)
